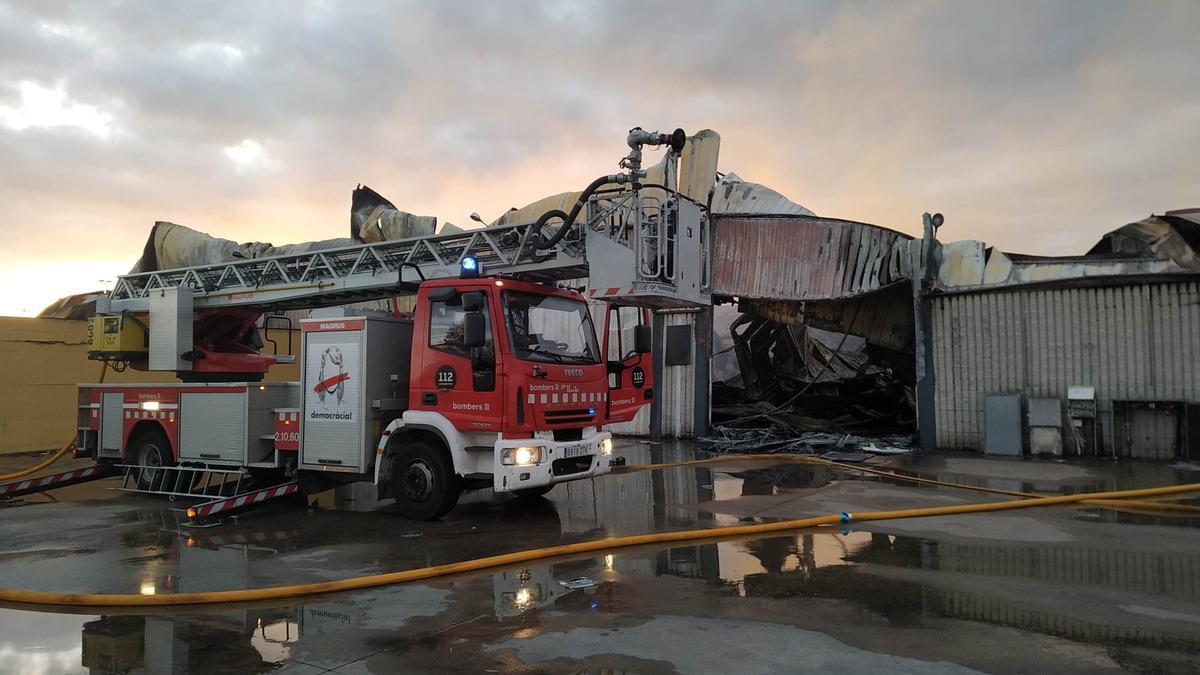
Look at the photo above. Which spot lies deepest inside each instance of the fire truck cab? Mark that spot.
(507, 388)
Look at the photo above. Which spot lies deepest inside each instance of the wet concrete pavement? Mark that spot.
(1074, 589)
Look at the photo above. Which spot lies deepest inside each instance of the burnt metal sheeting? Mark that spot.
(804, 258)
(1173, 236)
(884, 317)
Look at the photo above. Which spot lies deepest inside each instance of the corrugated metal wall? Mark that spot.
(804, 258)
(676, 389)
(1134, 342)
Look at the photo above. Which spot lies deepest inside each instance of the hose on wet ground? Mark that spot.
(45, 598)
(57, 455)
(895, 475)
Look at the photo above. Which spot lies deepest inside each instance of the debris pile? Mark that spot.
(802, 389)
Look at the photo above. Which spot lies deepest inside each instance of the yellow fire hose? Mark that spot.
(20, 597)
(1180, 508)
(56, 456)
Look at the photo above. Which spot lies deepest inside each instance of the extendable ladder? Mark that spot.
(362, 272)
(183, 481)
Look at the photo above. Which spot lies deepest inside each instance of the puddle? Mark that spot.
(858, 586)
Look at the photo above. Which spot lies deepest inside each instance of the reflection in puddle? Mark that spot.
(892, 580)
(273, 640)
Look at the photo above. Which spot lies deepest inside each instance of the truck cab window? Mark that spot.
(550, 328)
(622, 324)
(446, 328)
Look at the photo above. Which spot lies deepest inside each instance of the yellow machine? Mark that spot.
(117, 336)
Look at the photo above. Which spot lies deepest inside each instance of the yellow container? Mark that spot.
(117, 335)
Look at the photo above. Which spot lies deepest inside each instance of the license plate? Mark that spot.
(578, 450)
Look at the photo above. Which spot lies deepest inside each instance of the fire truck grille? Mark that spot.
(568, 434)
(581, 416)
(570, 465)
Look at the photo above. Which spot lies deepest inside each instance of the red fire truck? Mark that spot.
(495, 380)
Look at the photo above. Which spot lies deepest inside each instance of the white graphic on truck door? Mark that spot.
(331, 382)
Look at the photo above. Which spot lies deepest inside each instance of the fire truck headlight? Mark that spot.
(522, 456)
(606, 446)
(149, 405)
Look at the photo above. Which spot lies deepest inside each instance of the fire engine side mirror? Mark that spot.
(642, 339)
(474, 330)
(473, 301)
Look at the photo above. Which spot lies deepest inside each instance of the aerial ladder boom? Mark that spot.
(636, 243)
(356, 273)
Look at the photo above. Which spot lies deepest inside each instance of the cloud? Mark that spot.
(248, 156)
(1033, 125)
(50, 107)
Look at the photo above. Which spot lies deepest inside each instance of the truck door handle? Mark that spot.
(429, 399)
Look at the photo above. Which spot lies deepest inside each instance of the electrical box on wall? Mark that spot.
(1045, 426)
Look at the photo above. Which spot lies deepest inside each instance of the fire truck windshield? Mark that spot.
(550, 328)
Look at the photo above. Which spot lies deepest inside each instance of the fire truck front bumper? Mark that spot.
(523, 463)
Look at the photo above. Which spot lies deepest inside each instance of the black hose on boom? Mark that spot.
(569, 218)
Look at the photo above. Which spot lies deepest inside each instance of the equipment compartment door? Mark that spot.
(212, 426)
(630, 374)
(111, 423)
(332, 427)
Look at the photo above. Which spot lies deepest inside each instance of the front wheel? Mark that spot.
(424, 482)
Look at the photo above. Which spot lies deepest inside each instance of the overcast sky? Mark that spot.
(1035, 126)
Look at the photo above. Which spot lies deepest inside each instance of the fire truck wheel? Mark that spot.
(424, 482)
(529, 494)
(151, 449)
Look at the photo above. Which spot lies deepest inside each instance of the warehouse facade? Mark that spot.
(1131, 351)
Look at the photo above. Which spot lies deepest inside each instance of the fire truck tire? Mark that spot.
(529, 494)
(424, 481)
(150, 449)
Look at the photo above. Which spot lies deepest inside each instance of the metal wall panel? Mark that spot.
(1132, 342)
(676, 391)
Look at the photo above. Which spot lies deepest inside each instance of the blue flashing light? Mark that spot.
(591, 411)
(470, 266)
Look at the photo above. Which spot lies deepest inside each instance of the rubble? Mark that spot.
(802, 389)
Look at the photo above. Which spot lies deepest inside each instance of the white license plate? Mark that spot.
(578, 450)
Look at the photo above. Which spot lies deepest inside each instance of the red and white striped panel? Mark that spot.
(249, 499)
(573, 397)
(608, 292)
(166, 415)
(242, 538)
(48, 482)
